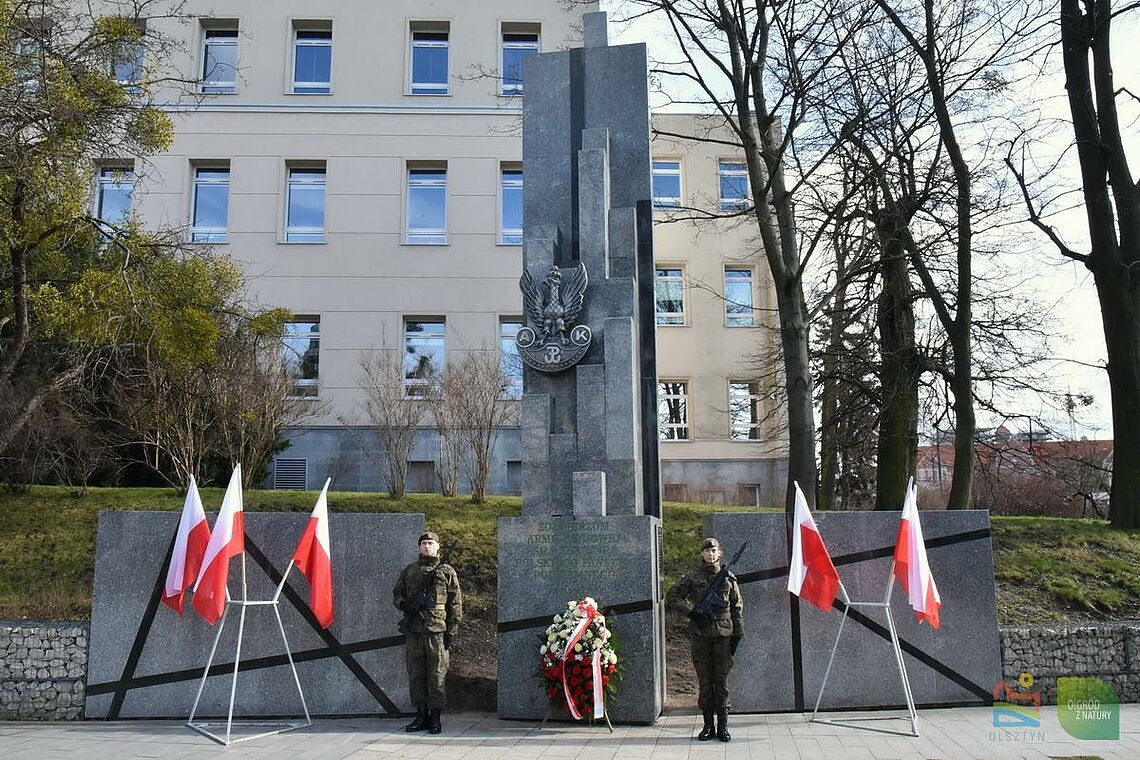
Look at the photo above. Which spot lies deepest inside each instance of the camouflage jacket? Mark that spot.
(691, 589)
(448, 609)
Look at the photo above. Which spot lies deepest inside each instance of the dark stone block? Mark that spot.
(368, 552)
(958, 664)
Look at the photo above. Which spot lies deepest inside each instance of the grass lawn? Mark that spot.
(1047, 568)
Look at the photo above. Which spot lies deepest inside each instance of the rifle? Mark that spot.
(424, 600)
(711, 605)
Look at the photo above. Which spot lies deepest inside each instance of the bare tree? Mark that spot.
(1112, 210)
(393, 418)
(442, 399)
(478, 387)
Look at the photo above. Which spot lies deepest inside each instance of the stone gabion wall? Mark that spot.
(1109, 651)
(43, 667)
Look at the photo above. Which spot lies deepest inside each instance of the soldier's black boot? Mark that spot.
(421, 719)
(709, 731)
(722, 725)
(433, 722)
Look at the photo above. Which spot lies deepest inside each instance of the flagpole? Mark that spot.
(281, 585)
(209, 662)
(834, 647)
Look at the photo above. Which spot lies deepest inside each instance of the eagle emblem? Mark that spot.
(551, 342)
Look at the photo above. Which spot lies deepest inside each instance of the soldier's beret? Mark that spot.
(710, 543)
(429, 536)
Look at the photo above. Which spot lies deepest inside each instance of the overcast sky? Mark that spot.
(1067, 284)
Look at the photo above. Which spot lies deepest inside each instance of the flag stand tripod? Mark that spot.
(912, 713)
(275, 727)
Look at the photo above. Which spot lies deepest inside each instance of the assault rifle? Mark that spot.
(424, 600)
(712, 604)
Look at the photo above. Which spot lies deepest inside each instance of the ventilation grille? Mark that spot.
(291, 474)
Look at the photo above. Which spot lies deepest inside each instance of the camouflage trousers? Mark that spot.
(427, 663)
(712, 659)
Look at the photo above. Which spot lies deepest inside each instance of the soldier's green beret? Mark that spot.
(710, 543)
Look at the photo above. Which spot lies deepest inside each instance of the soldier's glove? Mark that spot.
(735, 643)
(447, 640)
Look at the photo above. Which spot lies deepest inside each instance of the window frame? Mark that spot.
(680, 429)
(297, 87)
(753, 397)
(682, 316)
(510, 236)
(304, 387)
(424, 235)
(507, 28)
(667, 204)
(210, 37)
(428, 89)
(742, 203)
(751, 280)
(411, 383)
(104, 179)
(205, 234)
(298, 235)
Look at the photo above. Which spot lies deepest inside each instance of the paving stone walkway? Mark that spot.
(951, 734)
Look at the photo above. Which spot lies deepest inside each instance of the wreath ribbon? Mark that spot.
(588, 615)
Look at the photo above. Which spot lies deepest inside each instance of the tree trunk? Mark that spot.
(1114, 234)
(829, 406)
(798, 386)
(898, 415)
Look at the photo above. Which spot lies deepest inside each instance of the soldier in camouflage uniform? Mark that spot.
(429, 623)
(713, 642)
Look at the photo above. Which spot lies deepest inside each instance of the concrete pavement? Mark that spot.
(952, 734)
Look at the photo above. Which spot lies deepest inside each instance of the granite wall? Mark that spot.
(43, 667)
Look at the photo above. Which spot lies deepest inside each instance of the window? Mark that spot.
(672, 410)
(113, 204)
(127, 61)
(305, 206)
(738, 310)
(423, 355)
(667, 184)
(670, 288)
(312, 61)
(734, 194)
(211, 205)
(520, 41)
(514, 477)
(302, 354)
(511, 202)
(219, 60)
(744, 410)
(509, 360)
(429, 57)
(28, 64)
(427, 204)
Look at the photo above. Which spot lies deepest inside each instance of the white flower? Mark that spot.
(571, 605)
(577, 647)
(542, 649)
(551, 637)
(557, 618)
(606, 634)
(597, 644)
(589, 634)
(564, 633)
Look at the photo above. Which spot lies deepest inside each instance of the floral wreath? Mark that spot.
(578, 659)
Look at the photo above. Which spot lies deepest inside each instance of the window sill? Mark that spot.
(427, 94)
(738, 327)
(501, 244)
(308, 94)
(415, 244)
(208, 242)
(686, 324)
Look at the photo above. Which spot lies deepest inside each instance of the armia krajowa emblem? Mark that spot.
(550, 341)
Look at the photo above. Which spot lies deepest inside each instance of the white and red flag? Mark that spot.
(227, 540)
(811, 575)
(911, 568)
(189, 549)
(314, 558)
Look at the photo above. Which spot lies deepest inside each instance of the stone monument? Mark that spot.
(145, 661)
(590, 523)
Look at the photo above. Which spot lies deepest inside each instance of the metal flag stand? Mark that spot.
(912, 713)
(278, 727)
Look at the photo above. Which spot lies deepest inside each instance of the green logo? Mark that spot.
(1088, 708)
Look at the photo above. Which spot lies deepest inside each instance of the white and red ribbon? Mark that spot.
(588, 615)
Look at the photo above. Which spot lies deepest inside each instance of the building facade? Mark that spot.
(364, 168)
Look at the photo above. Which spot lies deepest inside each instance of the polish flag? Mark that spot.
(812, 575)
(226, 541)
(189, 548)
(314, 559)
(911, 568)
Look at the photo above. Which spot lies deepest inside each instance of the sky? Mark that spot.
(1067, 285)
